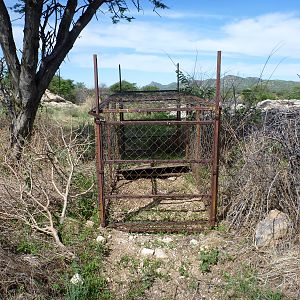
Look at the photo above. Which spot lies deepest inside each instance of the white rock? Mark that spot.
(89, 224)
(172, 178)
(147, 252)
(274, 227)
(167, 240)
(159, 253)
(204, 248)
(131, 237)
(194, 242)
(50, 97)
(76, 279)
(281, 105)
(101, 239)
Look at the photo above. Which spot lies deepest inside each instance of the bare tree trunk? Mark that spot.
(22, 125)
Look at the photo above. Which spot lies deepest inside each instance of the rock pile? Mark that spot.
(50, 99)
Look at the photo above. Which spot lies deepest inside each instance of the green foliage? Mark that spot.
(130, 262)
(294, 93)
(150, 88)
(126, 86)
(27, 247)
(252, 96)
(208, 258)
(245, 285)
(5, 79)
(93, 288)
(62, 87)
(85, 206)
(90, 266)
(184, 269)
(148, 275)
(193, 87)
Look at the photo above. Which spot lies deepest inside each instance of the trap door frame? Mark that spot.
(157, 226)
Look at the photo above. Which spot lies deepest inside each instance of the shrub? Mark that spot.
(208, 258)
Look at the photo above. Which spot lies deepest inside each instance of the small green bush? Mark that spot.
(148, 275)
(184, 269)
(27, 247)
(92, 288)
(208, 258)
(246, 285)
(85, 206)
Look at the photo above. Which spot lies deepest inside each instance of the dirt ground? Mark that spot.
(213, 264)
(160, 209)
(172, 267)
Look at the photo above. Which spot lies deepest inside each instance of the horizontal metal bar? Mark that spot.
(146, 92)
(142, 110)
(160, 226)
(161, 161)
(155, 122)
(168, 196)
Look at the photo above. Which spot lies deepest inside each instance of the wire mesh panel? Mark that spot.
(157, 153)
(157, 159)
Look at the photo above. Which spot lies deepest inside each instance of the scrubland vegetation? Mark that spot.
(49, 223)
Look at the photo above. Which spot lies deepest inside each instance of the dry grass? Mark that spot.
(261, 172)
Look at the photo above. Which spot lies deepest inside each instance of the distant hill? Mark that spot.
(240, 83)
(170, 86)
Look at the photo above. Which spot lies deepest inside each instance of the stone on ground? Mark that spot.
(271, 229)
(101, 239)
(160, 253)
(76, 279)
(147, 252)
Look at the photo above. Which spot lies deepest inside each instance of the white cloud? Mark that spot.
(141, 62)
(258, 36)
(144, 45)
(139, 37)
(188, 15)
(253, 36)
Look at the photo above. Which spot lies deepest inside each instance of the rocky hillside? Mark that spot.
(240, 83)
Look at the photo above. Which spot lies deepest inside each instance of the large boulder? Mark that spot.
(53, 100)
(50, 97)
(279, 105)
(273, 228)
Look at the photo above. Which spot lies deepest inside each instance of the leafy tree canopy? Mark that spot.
(62, 87)
(126, 86)
(51, 28)
(150, 88)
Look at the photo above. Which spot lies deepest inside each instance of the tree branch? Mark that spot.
(33, 13)
(8, 45)
(66, 20)
(51, 62)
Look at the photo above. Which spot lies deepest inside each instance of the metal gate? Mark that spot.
(157, 159)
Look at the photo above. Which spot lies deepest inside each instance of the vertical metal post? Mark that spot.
(120, 79)
(178, 113)
(99, 148)
(178, 101)
(215, 150)
(177, 71)
(197, 150)
(122, 129)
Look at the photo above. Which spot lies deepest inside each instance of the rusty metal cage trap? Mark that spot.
(157, 159)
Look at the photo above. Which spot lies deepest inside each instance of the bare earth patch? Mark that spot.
(137, 274)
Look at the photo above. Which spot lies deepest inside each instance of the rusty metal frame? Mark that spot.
(103, 107)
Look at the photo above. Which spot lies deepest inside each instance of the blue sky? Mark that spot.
(190, 32)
